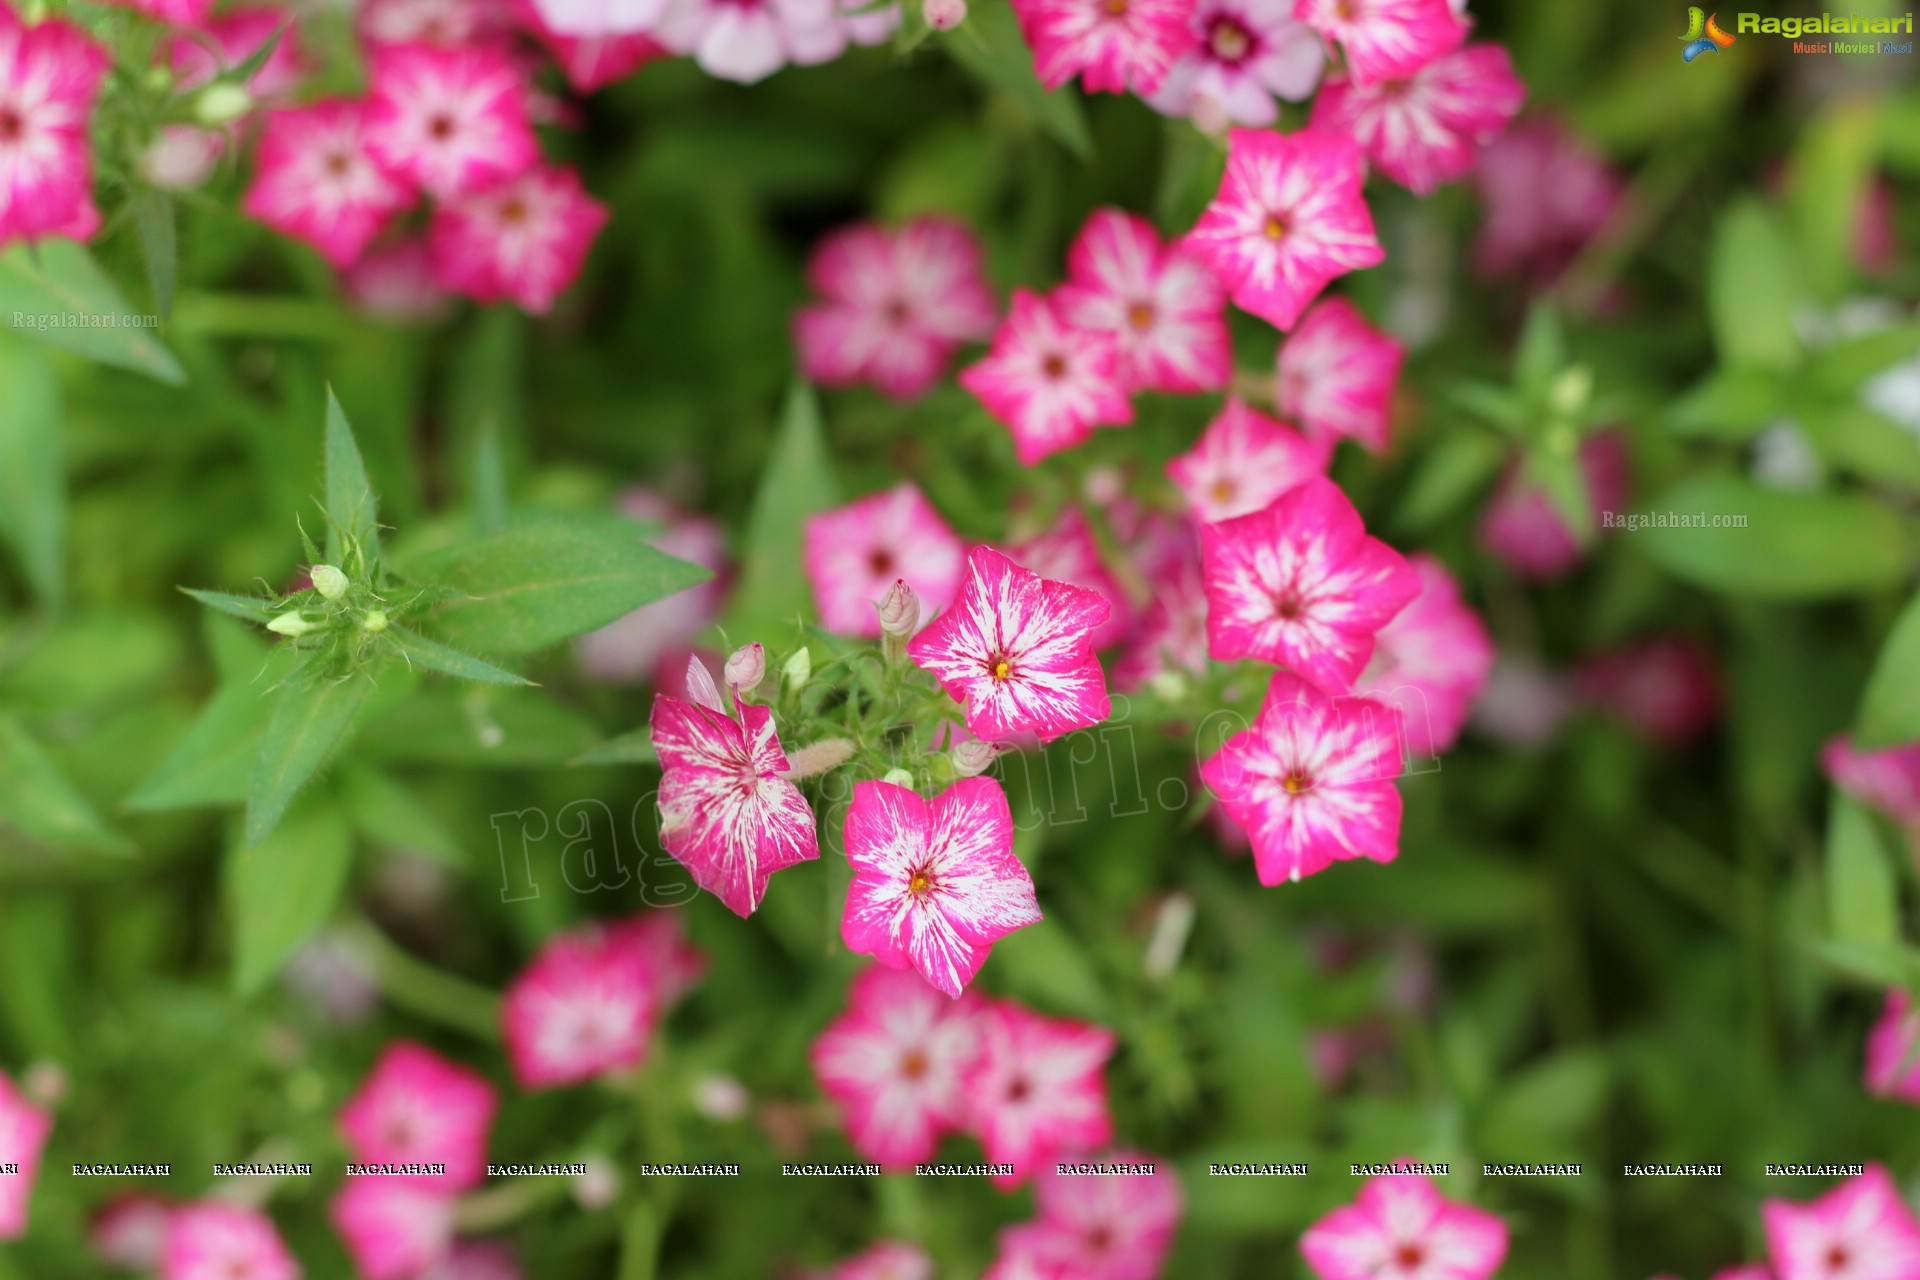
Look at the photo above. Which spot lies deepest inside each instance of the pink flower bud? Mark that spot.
(974, 757)
(899, 610)
(746, 669)
(700, 686)
(944, 15)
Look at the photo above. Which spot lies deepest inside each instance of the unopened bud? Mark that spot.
(746, 669)
(974, 757)
(373, 622)
(944, 15)
(799, 668)
(45, 1083)
(328, 581)
(1571, 390)
(291, 623)
(899, 610)
(599, 1186)
(220, 104)
(1168, 686)
(898, 777)
(721, 1097)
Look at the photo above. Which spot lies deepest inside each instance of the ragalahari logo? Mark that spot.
(1703, 34)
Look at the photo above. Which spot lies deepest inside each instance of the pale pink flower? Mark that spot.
(450, 121)
(446, 24)
(1887, 779)
(593, 61)
(416, 1107)
(393, 1228)
(585, 1007)
(1245, 54)
(1112, 45)
(1300, 584)
(857, 552)
(1666, 687)
(213, 1240)
(1068, 552)
(658, 940)
(1429, 127)
(1038, 1090)
(634, 647)
(1385, 39)
(894, 1062)
(894, 305)
(1102, 1226)
(1546, 194)
(888, 1260)
(476, 1260)
(393, 281)
(869, 24)
(23, 1136)
(1401, 1228)
(315, 180)
(181, 157)
(1049, 382)
(1522, 527)
(595, 19)
(1160, 304)
(235, 37)
(1860, 1230)
(1243, 462)
(130, 1231)
(1288, 219)
(749, 40)
(1893, 1050)
(50, 76)
(524, 239)
(727, 810)
(1336, 375)
(935, 883)
(1430, 662)
(1015, 1261)
(1016, 650)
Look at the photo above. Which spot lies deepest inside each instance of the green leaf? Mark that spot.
(1890, 708)
(41, 805)
(796, 483)
(1730, 404)
(1863, 903)
(1877, 964)
(1833, 167)
(1855, 439)
(1794, 546)
(213, 764)
(422, 652)
(352, 518)
(392, 817)
(55, 292)
(1752, 287)
(33, 481)
(478, 726)
(309, 721)
(628, 748)
(282, 888)
(1493, 404)
(159, 245)
(1465, 461)
(991, 47)
(1542, 354)
(533, 586)
(249, 608)
(1841, 368)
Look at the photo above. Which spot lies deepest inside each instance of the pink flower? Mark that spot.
(1243, 462)
(888, 1260)
(1112, 45)
(1666, 688)
(1385, 39)
(394, 1228)
(857, 552)
(1017, 1262)
(1521, 526)
(393, 281)
(1401, 1228)
(1159, 304)
(1288, 219)
(476, 1260)
(727, 811)
(598, 19)
(1430, 662)
(23, 1136)
(659, 942)
(450, 121)
(894, 1063)
(236, 37)
(1428, 128)
(1893, 1050)
(315, 180)
(1337, 375)
(524, 239)
(49, 78)
(935, 884)
(417, 1108)
(585, 1007)
(181, 157)
(1172, 636)
(634, 647)
(213, 1240)
(1017, 651)
(1038, 1089)
(1068, 552)
(1051, 383)
(1312, 780)
(589, 62)
(894, 305)
(447, 24)
(1860, 1230)
(1102, 1226)
(1546, 193)
(749, 40)
(130, 1231)
(1300, 584)
(1245, 54)
(182, 13)
(1887, 779)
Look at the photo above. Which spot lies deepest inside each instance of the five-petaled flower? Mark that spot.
(1100, 1227)
(1385, 39)
(214, 1240)
(855, 554)
(1431, 661)
(1245, 54)
(1401, 1228)
(1243, 462)
(416, 1108)
(1428, 128)
(1038, 1090)
(1860, 1230)
(1336, 375)
(1112, 45)
(50, 74)
(1050, 382)
(449, 121)
(315, 180)
(525, 238)
(1159, 303)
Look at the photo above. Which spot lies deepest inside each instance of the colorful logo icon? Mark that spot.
(1703, 34)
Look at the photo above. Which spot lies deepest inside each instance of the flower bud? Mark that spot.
(799, 668)
(944, 15)
(898, 777)
(899, 610)
(721, 1097)
(291, 623)
(328, 581)
(220, 104)
(373, 622)
(974, 757)
(1571, 390)
(599, 1186)
(746, 669)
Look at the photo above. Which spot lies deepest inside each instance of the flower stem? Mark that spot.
(420, 988)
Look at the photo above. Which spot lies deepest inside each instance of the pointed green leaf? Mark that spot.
(159, 245)
(41, 805)
(309, 722)
(1541, 355)
(1730, 404)
(422, 652)
(33, 481)
(351, 510)
(213, 764)
(1863, 902)
(477, 726)
(392, 817)
(628, 748)
(796, 483)
(991, 47)
(1890, 709)
(282, 888)
(251, 608)
(55, 292)
(1752, 289)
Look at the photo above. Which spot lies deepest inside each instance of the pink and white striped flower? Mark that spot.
(1401, 1228)
(857, 552)
(634, 648)
(935, 883)
(585, 1007)
(895, 1062)
(887, 1260)
(1112, 45)
(1337, 373)
(130, 1231)
(589, 62)
(1102, 1226)
(1017, 1262)
(894, 305)
(1385, 39)
(416, 1107)
(235, 37)
(524, 239)
(1068, 552)
(727, 810)
(1288, 219)
(1887, 779)
(450, 121)
(1159, 304)
(1522, 527)
(315, 180)
(1038, 1090)
(599, 19)
(1300, 584)
(1049, 382)
(1245, 54)
(749, 40)
(1243, 462)
(50, 76)
(23, 1136)
(1016, 650)
(1430, 661)
(1427, 128)
(393, 1228)
(1860, 1230)
(214, 1240)
(1893, 1050)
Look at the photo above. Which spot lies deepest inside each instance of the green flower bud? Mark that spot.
(291, 623)
(221, 104)
(1571, 390)
(799, 668)
(898, 777)
(373, 622)
(329, 581)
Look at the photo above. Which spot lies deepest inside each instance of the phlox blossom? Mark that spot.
(1245, 54)
(1049, 382)
(1430, 661)
(598, 19)
(130, 1231)
(855, 553)
(1666, 687)
(1401, 1228)
(416, 1107)
(1336, 375)
(213, 1240)
(749, 40)
(1429, 127)
(1112, 45)
(50, 76)
(1244, 461)
(1101, 1226)
(316, 180)
(1385, 39)
(393, 1228)
(1546, 193)
(1068, 552)
(23, 1136)
(525, 239)
(1860, 1230)
(1038, 1090)
(585, 1007)
(1160, 304)
(451, 121)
